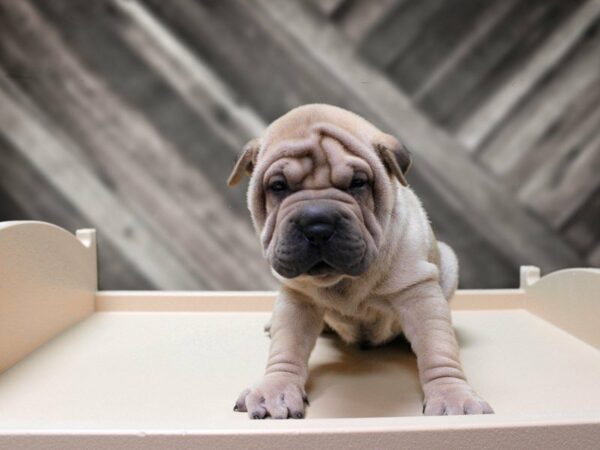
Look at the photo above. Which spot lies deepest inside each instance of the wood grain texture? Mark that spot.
(397, 31)
(20, 199)
(140, 162)
(145, 104)
(456, 54)
(360, 17)
(330, 7)
(438, 36)
(332, 91)
(583, 230)
(498, 106)
(542, 113)
(594, 256)
(492, 62)
(548, 151)
(55, 159)
(438, 154)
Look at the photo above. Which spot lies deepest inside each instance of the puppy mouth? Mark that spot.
(321, 268)
(342, 252)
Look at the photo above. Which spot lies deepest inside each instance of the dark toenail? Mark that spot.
(256, 416)
(235, 408)
(299, 415)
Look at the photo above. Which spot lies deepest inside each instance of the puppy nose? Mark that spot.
(318, 232)
(317, 223)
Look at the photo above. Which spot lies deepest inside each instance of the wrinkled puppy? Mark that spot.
(354, 250)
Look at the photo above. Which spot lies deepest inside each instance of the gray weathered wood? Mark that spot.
(518, 235)
(583, 229)
(192, 78)
(328, 7)
(94, 35)
(523, 133)
(154, 100)
(278, 49)
(436, 38)
(484, 24)
(594, 257)
(51, 156)
(483, 120)
(494, 60)
(141, 164)
(363, 15)
(20, 199)
(225, 35)
(397, 31)
(569, 174)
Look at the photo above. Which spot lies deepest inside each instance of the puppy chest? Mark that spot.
(371, 323)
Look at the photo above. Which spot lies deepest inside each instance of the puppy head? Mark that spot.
(322, 189)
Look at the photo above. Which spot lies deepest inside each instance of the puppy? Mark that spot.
(354, 251)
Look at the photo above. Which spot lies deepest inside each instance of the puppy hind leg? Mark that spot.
(448, 270)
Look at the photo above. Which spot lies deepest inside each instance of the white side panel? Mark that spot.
(569, 299)
(48, 280)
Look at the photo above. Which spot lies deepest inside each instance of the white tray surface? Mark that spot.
(184, 370)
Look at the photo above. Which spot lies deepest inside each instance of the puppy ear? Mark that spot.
(395, 156)
(245, 163)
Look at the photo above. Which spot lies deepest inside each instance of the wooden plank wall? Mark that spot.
(127, 116)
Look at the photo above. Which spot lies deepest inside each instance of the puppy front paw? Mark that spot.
(279, 396)
(453, 398)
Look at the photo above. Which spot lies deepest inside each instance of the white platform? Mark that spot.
(184, 370)
(86, 369)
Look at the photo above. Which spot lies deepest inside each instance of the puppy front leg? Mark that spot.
(295, 326)
(426, 322)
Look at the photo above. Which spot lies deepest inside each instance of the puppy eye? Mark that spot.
(278, 186)
(358, 182)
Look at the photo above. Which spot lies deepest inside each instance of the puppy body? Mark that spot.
(379, 274)
(365, 308)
